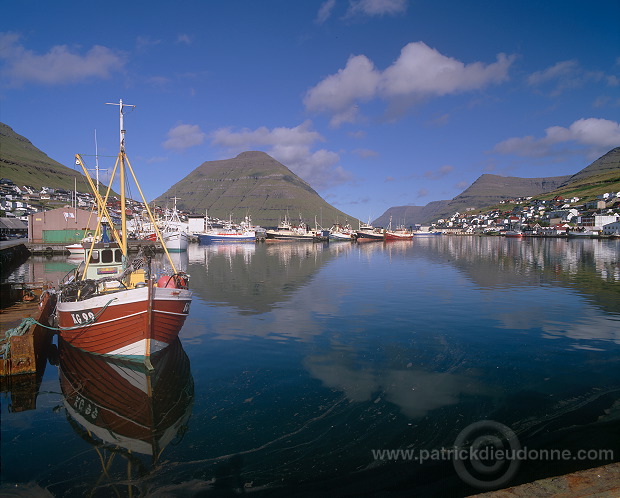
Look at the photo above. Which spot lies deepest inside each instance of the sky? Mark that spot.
(375, 103)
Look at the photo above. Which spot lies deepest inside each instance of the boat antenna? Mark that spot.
(122, 127)
(96, 161)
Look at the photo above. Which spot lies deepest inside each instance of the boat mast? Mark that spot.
(121, 156)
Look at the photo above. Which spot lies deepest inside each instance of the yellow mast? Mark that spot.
(123, 160)
(121, 156)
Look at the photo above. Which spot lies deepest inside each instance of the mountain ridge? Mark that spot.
(489, 189)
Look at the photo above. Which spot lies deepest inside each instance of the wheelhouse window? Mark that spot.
(94, 257)
(107, 256)
(118, 256)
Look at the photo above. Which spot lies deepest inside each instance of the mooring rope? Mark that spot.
(27, 322)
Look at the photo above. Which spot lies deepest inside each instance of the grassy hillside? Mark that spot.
(24, 164)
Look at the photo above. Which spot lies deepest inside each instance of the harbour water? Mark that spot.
(343, 369)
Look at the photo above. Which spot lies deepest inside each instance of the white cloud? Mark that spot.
(568, 75)
(184, 136)
(292, 147)
(558, 70)
(419, 72)
(358, 81)
(377, 7)
(325, 11)
(599, 135)
(58, 66)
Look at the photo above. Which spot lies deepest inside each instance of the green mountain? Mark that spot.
(603, 175)
(252, 184)
(24, 164)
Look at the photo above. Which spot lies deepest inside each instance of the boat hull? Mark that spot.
(130, 324)
(398, 236)
(176, 241)
(208, 238)
(363, 236)
(76, 249)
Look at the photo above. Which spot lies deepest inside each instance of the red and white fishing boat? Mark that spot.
(399, 233)
(116, 307)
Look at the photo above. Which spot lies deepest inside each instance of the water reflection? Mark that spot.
(121, 409)
(307, 356)
(254, 278)
(415, 391)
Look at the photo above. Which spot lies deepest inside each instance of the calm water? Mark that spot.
(300, 364)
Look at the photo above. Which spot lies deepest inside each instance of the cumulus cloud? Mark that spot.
(292, 147)
(60, 65)
(377, 7)
(419, 72)
(184, 136)
(598, 135)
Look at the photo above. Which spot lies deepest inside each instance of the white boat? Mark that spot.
(288, 231)
(230, 232)
(175, 239)
(78, 249)
(342, 233)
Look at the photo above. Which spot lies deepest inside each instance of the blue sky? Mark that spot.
(376, 103)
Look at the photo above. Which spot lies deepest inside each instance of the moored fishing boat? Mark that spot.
(175, 238)
(230, 232)
(300, 232)
(342, 233)
(399, 233)
(368, 233)
(115, 307)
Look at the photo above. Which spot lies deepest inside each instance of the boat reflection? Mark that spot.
(121, 407)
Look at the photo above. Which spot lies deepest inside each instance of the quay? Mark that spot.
(600, 482)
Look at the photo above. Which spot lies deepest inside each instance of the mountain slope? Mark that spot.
(603, 175)
(24, 164)
(410, 215)
(254, 184)
(487, 190)
(608, 163)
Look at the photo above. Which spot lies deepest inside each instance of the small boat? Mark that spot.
(244, 232)
(79, 247)
(342, 233)
(368, 233)
(113, 306)
(513, 233)
(175, 238)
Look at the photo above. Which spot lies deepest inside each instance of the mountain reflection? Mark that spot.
(254, 277)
